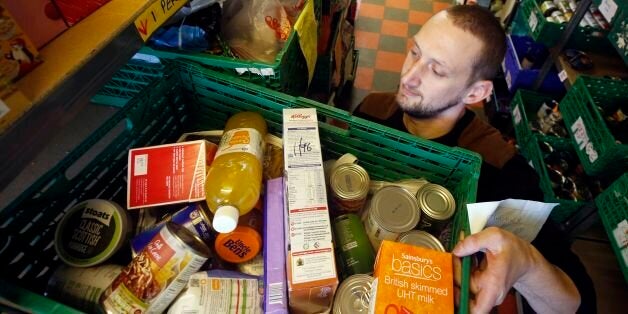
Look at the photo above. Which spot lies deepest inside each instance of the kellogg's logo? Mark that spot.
(300, 116)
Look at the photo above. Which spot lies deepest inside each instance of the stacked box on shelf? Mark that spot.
(190, 98)
(612, 207)
(596, 146)
(288, 73)
(530, 16)
(130, 80)
(516, 76)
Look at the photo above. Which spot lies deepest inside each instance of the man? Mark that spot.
(451, 63)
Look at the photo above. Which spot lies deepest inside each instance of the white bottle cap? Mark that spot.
(226, 219)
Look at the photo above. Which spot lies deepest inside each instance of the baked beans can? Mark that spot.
(393, 210)
(422, 239)
(437, 206)
(157, 274)
(349, 185)
(353, 295)
(192, 217)
(353, 245)
(81, 287)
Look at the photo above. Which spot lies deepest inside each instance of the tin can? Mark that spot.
(422, 239)
(559, 17)
(437, 205)
(353, 245)
(157, 274)
(81, 287)
(572, 5)
(563, 5)
(254, 267)
(349, 185)
(393, 211)
(192, 217)
(548, 7)
(353, 295)
(551, 19)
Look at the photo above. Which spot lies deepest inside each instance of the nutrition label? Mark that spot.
(312, 265)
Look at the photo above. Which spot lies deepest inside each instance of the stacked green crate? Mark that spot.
(613, 209)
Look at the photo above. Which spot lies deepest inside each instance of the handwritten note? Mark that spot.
(307, 29)
(155, 15)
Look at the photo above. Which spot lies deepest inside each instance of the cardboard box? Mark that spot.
(275, 282)
(168, 174)
(412, 279)
(311, 268)
(18, 55)
(75, 10)
(40, 19)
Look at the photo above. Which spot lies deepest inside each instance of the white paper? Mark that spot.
(621, 234)
(608, 8)
(533, 21)
(516, 114)
(562, 76)
(521, 217)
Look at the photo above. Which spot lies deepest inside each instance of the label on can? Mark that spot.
(349, 185)
(377, 234)
(355, 250)
(241, 140)
(81, 287)
(437, 206)
(157, 274)
(191, 217)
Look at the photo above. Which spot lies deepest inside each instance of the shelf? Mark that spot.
(603, 65)
(76, 64)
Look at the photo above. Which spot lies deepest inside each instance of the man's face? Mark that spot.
(437, 68)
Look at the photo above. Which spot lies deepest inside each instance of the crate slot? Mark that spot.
(17, 258)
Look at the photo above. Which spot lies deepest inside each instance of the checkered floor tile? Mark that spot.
(382, 34)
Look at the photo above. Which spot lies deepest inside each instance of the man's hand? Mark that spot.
(509, 261)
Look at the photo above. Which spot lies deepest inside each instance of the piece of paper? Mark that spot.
(621, 234)
(307, 29)
(521, 217)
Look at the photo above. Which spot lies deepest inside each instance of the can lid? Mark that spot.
(422, 239)
(189, 239)
(353, 295)
(349, 181)
(226, 218)
(394, 209)
(436, 201)
(238, 246)
(101, 227)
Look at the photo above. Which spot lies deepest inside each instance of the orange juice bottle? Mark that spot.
(234, 178)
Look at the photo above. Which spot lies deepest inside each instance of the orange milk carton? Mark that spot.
(411, 279)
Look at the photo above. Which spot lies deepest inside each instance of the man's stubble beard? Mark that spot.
(416, 109)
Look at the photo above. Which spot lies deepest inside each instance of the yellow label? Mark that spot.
(155, 15)
(307, 29)
(215, 284)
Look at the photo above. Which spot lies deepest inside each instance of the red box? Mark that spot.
(168, 174)
(40, 19)
(75, 10)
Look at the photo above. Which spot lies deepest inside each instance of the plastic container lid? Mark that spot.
(226, 219)
(91, 232)
(239, 246)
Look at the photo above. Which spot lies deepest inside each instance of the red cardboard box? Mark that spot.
(75, 10)
(40, 19)
(168, 174)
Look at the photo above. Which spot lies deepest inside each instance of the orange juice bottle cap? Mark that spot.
(238, 246)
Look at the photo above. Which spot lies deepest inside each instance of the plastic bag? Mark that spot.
(255, 29)
(196, 32)
(293, 8)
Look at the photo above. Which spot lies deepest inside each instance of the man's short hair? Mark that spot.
(482, 24)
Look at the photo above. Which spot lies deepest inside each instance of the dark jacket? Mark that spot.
(504, 174)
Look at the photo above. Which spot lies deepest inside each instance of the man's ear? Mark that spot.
(478, 91)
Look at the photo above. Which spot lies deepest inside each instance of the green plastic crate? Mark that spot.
(525, 104)
(191, 98)
(618, 36)
(288, 73)
(601, 154)
(129, 81)
(532, 152)
(612, 207)
(613, 6)
(530, 17)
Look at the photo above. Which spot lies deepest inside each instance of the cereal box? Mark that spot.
(411, 279)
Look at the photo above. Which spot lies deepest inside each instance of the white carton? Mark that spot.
(311, 267)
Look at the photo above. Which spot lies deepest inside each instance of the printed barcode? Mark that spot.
(275, 293)
(141, 165)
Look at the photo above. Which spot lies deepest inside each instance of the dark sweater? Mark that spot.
(504, 174)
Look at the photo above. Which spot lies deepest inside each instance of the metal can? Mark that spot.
(393, 211)
(353, 245)
(437, 205)
(353, 295)
(422, 239)
(563, 5)
(192, 217)
(559, 17)
(81, 287)
(349, 184)
(548, 7)
(157, 274)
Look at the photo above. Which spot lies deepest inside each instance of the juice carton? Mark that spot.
(411, 279)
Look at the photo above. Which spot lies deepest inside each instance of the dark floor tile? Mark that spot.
(421, 5)
(367, 58)
(374, 1)
(385, 81)
(396, 14)
(369, 24)
(392, 43)
(413, 29)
